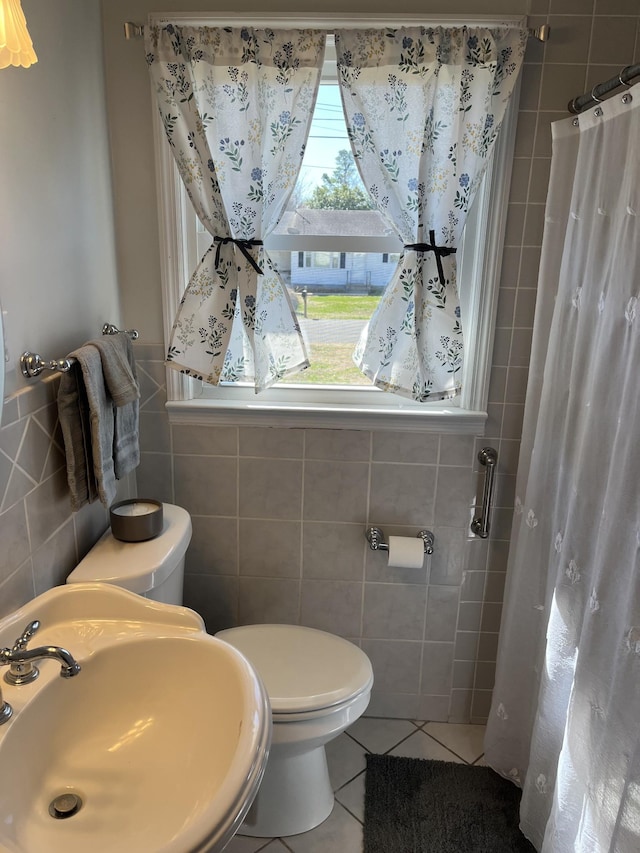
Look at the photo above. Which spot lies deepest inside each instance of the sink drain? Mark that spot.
(65, 805)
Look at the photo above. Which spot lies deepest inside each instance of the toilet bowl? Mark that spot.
(318, 685)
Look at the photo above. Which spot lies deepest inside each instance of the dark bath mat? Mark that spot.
(414, 805)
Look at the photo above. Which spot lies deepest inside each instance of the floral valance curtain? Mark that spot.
(423, 108)
(236, 104)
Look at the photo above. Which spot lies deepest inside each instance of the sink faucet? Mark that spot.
(20, 658)
(6, 711)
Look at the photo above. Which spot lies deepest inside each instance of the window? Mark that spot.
(354, 254)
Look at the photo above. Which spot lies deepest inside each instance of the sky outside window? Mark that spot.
(327, 136)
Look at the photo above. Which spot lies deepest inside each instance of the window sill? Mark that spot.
(437, 418)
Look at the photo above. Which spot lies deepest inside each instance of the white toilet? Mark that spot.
(153, 568)
(318, 684)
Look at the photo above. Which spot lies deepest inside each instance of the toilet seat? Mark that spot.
(304, 670)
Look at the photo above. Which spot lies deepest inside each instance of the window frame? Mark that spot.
(292, 405)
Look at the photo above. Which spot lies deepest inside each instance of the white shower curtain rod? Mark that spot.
(541, 33)
(624, 78)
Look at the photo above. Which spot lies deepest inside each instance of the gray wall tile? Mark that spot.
(214, 546)
(442, 610)
(47, 508)
(270, 488)
(454, 497)
(205, 440)
(434, 708)
(214, 598)
(270, 442)
(14, 536)
(54, 561)
(270, 548)
(396, 665)
(206, 485)
(344, 444)
(17, 589)
(335, 491)
(334, 606)
(153, 477)
(414, 448)
(263, 600)
(437, 668)
(402, 494)
(447, 561)
(394, 611)
(333, 551)
(155, 433)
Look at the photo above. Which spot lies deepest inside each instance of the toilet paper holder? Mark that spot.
(375, 537)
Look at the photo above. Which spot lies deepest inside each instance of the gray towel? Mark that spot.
(119, 368)
(90, 466)
(73, 411)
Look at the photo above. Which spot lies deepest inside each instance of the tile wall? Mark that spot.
(279, 521)
(42, 540)
(279, 515)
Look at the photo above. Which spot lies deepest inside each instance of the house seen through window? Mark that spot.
(333, 291)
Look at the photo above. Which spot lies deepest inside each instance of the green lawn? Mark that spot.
(333, 306)
(331, 364)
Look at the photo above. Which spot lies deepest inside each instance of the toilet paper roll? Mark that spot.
(405, 552)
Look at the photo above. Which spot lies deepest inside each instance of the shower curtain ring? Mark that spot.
(624, 82)
(593, 97)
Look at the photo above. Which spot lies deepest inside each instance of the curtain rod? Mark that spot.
(541, 33)
(594, 96)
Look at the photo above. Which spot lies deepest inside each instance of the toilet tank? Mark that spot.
(153, 569)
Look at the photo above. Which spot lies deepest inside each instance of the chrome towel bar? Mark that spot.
(32, 364)
(480, 524)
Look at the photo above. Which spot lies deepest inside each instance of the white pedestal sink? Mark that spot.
(162, 737)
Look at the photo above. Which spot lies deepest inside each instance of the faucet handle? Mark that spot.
(23, 673)
(21, 643)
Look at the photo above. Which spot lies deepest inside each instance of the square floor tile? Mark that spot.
(420, 745)
(465, 740)
(245, 844)
(351, 796)
(339, 832)
(345, 759)
(379, 735)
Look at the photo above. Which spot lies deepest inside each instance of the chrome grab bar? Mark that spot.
(480, 524)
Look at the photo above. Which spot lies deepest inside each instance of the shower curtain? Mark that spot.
(565, 719)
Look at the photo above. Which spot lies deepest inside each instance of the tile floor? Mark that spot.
(342, 831)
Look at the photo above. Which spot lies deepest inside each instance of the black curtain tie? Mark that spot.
(243, 245)
(439, 251)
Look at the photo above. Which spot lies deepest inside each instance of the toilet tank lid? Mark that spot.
(137, 566)
(303, 669)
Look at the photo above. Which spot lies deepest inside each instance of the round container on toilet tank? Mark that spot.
(136, 520)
